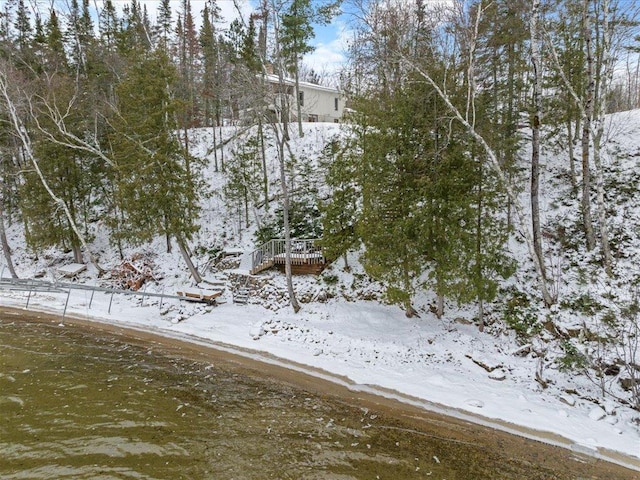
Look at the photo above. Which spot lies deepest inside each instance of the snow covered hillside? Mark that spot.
(522, 370)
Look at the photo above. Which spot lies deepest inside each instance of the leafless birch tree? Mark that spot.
(10, 105)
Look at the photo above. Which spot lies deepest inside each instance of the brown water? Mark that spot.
(81, 405)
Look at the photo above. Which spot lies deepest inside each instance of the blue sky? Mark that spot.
(330, 45)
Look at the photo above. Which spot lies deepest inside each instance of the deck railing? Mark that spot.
(303, 252)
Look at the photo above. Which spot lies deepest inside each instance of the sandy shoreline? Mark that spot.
(520, 442)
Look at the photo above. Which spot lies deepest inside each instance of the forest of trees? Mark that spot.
(97, 106)
(452, 105)
(446, 98)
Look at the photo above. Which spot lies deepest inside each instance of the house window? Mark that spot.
(335, 104)
(301, 98)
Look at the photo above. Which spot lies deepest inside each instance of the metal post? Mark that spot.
(110, 301)
(161, 298)
(28, 298)
(143, 292)
(93, 290)
(64, 312)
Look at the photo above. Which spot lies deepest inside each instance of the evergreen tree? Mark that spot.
(80, 35)
(296, 32)
(69, 176)
(163, 24)
(423, 206)
(155, 193)
(188, 52)
(134, 34)
(109, 25)
(55, 47)
(22, 25)
(244, 174)
(341, 212)
(208, 49)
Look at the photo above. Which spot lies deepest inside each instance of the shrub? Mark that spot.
(572, 358)
(519, 315)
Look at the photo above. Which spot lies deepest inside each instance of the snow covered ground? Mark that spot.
(445, 365)
(440, 365)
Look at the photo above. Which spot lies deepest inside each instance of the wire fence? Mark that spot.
(31, 286)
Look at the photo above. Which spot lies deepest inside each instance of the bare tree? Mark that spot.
(6, 250)
(605, 80)
(586, 129)
(536, 65)
(278, 119)
(281, 131)
(611, 24)
(24, 138)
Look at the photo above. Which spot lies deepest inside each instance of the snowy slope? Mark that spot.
(446, 364)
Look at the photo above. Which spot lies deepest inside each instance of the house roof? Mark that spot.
(274, 79)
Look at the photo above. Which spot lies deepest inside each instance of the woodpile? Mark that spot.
(132, 274)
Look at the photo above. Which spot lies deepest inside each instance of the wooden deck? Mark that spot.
(306, 257)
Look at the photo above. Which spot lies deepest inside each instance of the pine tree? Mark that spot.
(208, 49)
(134, 34)
(163, 23)
(244, 174)
(109, 25)
(56, 54)
(22, 24)
(80, 36)
(341, 212)
(155, 193)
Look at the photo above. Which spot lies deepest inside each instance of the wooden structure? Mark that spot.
(306, 257)
(200, 295)
(71, 270)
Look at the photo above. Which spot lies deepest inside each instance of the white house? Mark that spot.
(318, 103)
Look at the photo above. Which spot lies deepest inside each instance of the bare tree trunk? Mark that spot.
(287, 229)
(187, 259)
(572, 161)
(606, 73)
(215, 149)
(298, 104)
(439, 306)
(535, 136)
(6, 250)
(479, 238)
(221, 149)
(586, 133)
(283, 142)
(263, 153)
(77, 253)
(167, 239)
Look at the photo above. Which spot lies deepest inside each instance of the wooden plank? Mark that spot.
(72, 269)
(204, 296)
